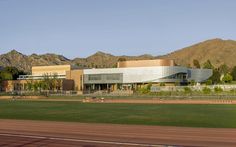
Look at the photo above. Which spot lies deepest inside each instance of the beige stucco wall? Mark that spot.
(57, 69)
(77, 76)
(145, 63)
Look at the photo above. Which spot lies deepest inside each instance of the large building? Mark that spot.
(129, 75)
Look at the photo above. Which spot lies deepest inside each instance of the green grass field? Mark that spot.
(217, 116)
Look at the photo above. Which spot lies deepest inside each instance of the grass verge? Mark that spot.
(216, 116)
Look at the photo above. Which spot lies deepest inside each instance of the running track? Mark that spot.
(45, 133)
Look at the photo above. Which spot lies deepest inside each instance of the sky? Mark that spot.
(79, 28)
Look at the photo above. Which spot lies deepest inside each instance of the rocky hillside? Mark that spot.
(104, 60)
(23, 62)
(218, 51)
(99, 59)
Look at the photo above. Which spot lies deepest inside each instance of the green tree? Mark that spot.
(227, 78)
(206, 90)
(208, 65)
(223, 69)
(196, 63)
(187, 90)
(5, 75)
(162, 84)
(218, 89)
(209, 82)
(14, 72)
(36, 86)
(29, 85)
(46, 82)
(215, 78)
(233, 73)
(192, 82)
(121, 59)
(57, 83)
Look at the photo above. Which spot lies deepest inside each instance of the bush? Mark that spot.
(227, 78)
(162, 84)
(209, 82)
(187, 90)
(218, 89)
(192, 83)
(146, 89)
(206, 90)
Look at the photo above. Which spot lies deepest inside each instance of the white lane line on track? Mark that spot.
(82, 140)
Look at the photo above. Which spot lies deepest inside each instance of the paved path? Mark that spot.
(46, 133)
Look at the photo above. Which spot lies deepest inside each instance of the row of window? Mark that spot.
(112, 77)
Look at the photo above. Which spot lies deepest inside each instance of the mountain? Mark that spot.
(218, 51)
(99, 59)
(24, 62)
(104, 60)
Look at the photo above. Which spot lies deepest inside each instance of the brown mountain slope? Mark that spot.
(104, 60)
(99, 59)
(24, 62)
(218, 51)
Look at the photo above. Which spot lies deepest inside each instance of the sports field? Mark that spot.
(191, 115)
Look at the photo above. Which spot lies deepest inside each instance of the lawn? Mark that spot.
(217, 116)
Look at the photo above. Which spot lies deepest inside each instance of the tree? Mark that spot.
(14, 72)
(233, 73)
(46, 82)
(51, 82)
(4, 75)
(121, 59)
(208, 65)
(196, 63)
(206, 90)
(162, 84)
(223, 69)
(57, 83)
(36, 86)
(227, 78)
(209, 82)
(29, 85)
(215, 78)
(218, 89)
(192, 82)
(187, 90)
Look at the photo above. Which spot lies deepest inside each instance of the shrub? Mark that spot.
(209, 82)
(227, 78)
(146, 89)
(206, 90)
(218, 89)
(162, 84)
(192, 83)
(187, 90)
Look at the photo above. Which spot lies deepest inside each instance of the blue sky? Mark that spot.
(78, 28)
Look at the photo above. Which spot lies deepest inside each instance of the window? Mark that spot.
(94, 77)
(113, 76)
